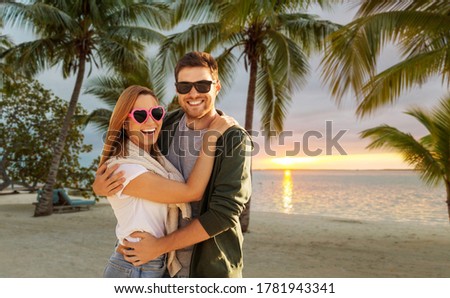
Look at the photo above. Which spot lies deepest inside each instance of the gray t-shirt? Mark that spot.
(183, 153)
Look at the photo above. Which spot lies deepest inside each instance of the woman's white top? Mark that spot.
(135, 214)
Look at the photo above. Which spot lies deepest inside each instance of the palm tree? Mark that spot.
(5, 72)
(275, 39)
(5, 44)
(420, 28)
(430, 155)
(76, 34)
(108, 88)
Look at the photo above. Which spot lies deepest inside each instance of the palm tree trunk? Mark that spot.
(45, 205)
(4, 161)
(251, 95)
(3, 174)
(245, 216)
(447, 187)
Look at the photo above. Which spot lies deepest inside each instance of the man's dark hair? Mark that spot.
(198, 59)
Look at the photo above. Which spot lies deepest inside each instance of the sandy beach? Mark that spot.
(278, 245)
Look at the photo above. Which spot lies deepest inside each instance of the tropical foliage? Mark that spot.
(275, 39)
(5, 44)
(430, 155)
(421, 29)
(30, 118)
(108, 88)
(79, 34)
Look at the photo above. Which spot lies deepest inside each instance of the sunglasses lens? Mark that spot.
(140, 116)
(158, 113)
(200, 86)
(184, 88)
(203, 86)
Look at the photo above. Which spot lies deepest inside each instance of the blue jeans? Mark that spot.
(117, 267)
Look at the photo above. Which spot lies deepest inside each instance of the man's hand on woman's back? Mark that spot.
(107, 182)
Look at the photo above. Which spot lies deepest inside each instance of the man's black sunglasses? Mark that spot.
(201, 86)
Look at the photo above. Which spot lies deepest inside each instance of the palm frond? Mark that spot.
(195, 38)
(31, 57)
(427, 142)
(121, 52)
(168, 54)
(424, 117)
(226, 40)
(292, 64)
(413, 152)
(387, 86)
(351, 58)
(273, 99)
(227, 66)
(327, 5)
(155, 78)
(99, 118)
(155, 14)
(198, 11)
(137, 34)
(48, 18)
(307, 30)
(349, 61)
(265, 92)
(106, 88)
(441, 113)
(5, 43)
(109, 87)
(441, 116)
(280, 106)
(372, 7)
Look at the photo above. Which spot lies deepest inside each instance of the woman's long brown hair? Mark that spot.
(116, 135)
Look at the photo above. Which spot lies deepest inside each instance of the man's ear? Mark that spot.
(218, 87)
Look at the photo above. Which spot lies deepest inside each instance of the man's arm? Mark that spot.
(107, 183)
(149, 248)
(232, 185)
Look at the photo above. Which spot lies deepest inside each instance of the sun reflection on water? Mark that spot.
(287, 191)
(357, 195)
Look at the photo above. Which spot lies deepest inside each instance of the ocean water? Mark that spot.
(398, 196)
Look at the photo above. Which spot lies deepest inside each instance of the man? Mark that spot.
(210, 245)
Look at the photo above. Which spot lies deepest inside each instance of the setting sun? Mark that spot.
(291, 161)
(343, 162)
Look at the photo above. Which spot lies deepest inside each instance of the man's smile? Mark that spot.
(195, 103)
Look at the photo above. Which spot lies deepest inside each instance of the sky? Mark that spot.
(311, 111)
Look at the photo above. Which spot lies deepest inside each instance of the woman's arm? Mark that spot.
(158, 189)
(232, 189)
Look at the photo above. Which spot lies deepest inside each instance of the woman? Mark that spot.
(153, 189)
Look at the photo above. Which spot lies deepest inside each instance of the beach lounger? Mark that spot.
(62, 202)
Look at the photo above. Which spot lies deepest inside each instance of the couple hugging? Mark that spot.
(177, 182)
